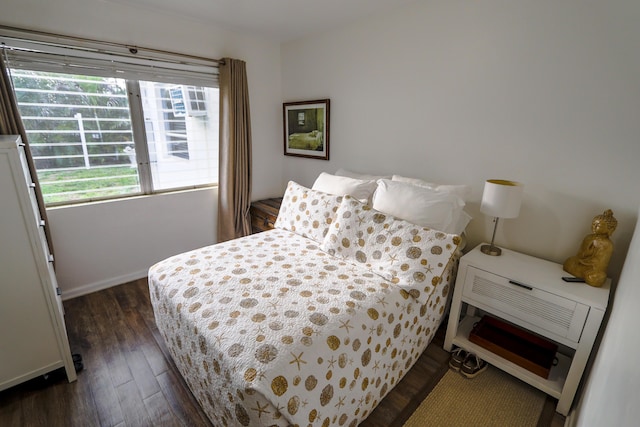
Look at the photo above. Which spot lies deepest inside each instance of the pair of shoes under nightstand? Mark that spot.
(468, 364)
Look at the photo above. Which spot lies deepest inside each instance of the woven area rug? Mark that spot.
(493, 398)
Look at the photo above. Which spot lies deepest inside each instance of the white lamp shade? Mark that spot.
(501, 198)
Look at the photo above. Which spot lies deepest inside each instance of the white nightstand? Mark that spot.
(529, 292)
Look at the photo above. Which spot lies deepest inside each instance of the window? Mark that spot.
(82, 138)
(96, 135)
(183, 149)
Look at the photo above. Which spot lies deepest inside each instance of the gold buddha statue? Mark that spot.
(595, 251)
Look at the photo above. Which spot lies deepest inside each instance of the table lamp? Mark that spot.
(500, 199)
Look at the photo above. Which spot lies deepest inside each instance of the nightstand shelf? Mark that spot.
(551, 386)
(529, 293)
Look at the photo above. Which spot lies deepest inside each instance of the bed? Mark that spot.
(311, 323)
(306, 141)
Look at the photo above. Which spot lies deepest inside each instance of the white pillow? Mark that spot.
(460, 222)
(357, 175)
(423, 206)
(462, 191)
(341, 185)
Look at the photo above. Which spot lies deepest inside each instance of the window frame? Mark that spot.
(37, 51)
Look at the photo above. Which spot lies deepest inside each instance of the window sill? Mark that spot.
(61, 206)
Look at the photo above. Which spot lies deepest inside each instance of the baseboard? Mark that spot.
(103, 284)
(571, 419)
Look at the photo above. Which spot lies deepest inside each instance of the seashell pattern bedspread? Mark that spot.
(271, 330)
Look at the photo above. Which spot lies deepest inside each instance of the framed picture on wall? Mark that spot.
(306, 129)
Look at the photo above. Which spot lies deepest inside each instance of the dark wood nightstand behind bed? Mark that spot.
(264, 214)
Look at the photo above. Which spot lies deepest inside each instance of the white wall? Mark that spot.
(98, 245)
(541, 92)
(104, 244)
(610, 397)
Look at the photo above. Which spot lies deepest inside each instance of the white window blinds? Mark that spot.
(60, 54)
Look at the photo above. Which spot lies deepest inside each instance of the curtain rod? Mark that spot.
(133, 49)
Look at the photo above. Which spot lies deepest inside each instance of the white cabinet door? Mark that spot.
(32, 330)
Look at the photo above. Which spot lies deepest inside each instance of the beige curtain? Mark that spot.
(234, 191)
(11, 124)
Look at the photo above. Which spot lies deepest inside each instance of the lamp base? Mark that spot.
(491, 250)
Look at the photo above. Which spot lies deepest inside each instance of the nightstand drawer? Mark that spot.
(522, 302)
(264, 214)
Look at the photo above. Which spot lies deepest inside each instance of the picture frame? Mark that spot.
(306, 129)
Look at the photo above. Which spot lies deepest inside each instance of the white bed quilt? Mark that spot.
(270, 330)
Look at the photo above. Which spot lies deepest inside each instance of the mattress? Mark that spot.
(270, 330)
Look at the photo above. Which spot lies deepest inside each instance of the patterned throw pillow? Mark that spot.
(307, 212)
(411, 256)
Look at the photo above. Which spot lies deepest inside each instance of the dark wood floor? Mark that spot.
(129, 378)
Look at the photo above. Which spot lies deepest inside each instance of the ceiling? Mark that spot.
(277, 20)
